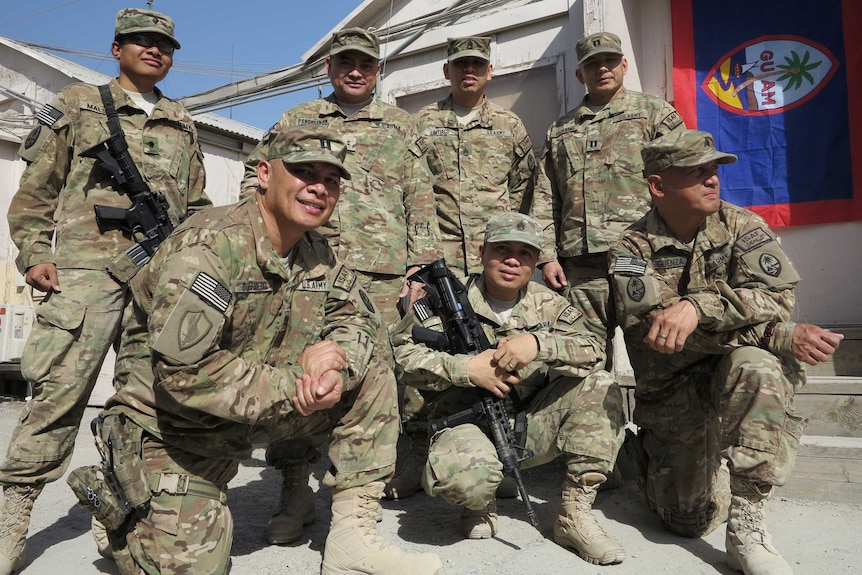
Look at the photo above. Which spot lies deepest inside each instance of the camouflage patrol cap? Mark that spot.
(601, 43)
(301, 145)
(358, 39)
(477, 46)
(514, 227)
(133, 20)
(683, 149)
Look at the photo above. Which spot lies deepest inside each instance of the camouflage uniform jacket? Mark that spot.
(565, 345)
(478, 170)
(210, 358)
(59, 188)
(594, 185)
(737, 276)
(384, 219)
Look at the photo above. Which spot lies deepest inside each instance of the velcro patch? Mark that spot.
(250, 286)
(672, 121)
(345, 279)
(48, 115)
(212, 292)
(630, 266)
(753, 239)
(668, 263)
(570, 315)
(524, 146)
(422, 309)
(313, 285)
(366, 299)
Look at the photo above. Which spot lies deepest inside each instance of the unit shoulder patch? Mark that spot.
(570, 315)
(753, 239)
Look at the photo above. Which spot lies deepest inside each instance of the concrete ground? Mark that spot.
(815, 538)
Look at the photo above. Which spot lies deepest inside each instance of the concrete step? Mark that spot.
(827, 469)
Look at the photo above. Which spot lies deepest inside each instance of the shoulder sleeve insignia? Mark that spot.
(753, 239)
(570, 315)
(366, 299)
(32, 137)
(525, 146)
(672, 121)
(629, 266)
(212, 292)
(345, 279)
(422, 309)
(48, 115)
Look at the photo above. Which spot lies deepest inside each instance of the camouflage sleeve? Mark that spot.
(522, 172)
(195, 368)
(568, 347)
(197, 197)
(760, 288)
(352, 321)
(546, 205)
(47, 150)
(420, 366)
(423, 231)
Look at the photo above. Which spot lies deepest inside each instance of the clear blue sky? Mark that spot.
(250, 37)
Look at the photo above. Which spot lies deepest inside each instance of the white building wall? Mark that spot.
(543, 33)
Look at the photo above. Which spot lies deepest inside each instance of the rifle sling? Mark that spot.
(110, 110)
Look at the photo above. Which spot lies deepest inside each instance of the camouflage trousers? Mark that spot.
(189, 530)
(383, 289)
(73, 332)
(589, 290)
(581, 419)
(362, 430)
(737, 416)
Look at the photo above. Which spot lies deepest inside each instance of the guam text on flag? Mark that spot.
(780, 85)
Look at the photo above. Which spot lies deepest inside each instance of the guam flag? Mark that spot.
(780, 85)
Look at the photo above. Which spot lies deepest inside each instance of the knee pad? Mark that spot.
(462, 467)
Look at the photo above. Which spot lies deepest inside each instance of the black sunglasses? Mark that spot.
(164, 45)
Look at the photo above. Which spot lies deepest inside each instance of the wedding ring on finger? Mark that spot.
(662, 336)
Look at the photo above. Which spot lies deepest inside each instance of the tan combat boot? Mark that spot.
(15, 511)
(408, 478)
(479, 523)
(354, 547)
(296, 508)
(577, 528)
(749, 546)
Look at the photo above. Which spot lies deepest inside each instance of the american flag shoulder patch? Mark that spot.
(630, 266)
(422, 309)
(48, 115)
(212, 292)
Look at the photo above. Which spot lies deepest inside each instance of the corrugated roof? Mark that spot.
(83, 74)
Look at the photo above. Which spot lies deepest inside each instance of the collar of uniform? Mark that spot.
(711, 234)
(475, 292)
(161, 110)
(372, 111)
(617, 105)
(483, 119)
(263, 249)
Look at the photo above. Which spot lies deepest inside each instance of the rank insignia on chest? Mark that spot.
(594, 145)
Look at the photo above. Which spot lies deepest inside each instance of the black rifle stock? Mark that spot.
(464, 335)
(147, 219)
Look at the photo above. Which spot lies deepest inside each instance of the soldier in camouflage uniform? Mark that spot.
(248, 329)
(547, 358)
(79, 319)
(383, 223)
(478, 153)
(480, 159)
(591, 186)
(704, 293)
